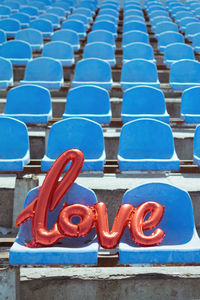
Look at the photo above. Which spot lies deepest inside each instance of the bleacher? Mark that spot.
(121, 82)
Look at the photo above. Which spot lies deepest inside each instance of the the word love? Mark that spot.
(138, 219)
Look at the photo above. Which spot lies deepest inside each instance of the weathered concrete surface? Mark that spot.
(123, 283)
(22, 187)
(9, 283)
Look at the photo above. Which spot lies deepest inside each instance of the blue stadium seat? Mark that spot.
(63, 5)
(158, 20)
(101, 36)
(39, 5)
(144, 102)
(100, 50)
(61, 51)
(167, 38)
(134, 25)
(82, 250)
(138, 50)
(79, 133)
(133, 12)
(44, 71)
(76, 26)
(5, 11)
(109, 18)
(183, 22)
(60, 12)
(184, 74)
(54, 19)
(181, 243)
(139, 72)
(2, 36)
(68, 36)
(84, 11)
(10, 26)
(18, 52)
(92, 71)
(158, 13)
(44, 26)
(14, 148)
(183, 14)
(105, 25)
(191, 29)
(190, 106)
(111, 12)
(14, 5)
(31, 36)
(6, 73)
(147, 144)
(89, 102)
(81, 18)
(29, 104)
(165, 26)
(23, 18)
(134, 36)
(133, 18)
(30, 10)
(196, 42)
(196, 146)
(177, 51)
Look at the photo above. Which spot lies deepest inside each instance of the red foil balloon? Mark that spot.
(70, 229)
(137, 224)
(110, 239)
(50, 194)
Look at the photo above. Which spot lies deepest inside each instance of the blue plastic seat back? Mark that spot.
(16, 49)
(60, 12)
(165, 26)
(28, 99)
(183, 14)
(105, 25)
(88, 4)
(2, 36)
(92, 69)
(143, 100)
(196, 144)
(22, 18)
(135, 36)
(31, 36)
(87, 100)
(14, 5)
(39, 5)
(51, 70)
(58, 50)
(75, 25)
(138, 50)
(133, 12)
(79, 133)
(14, 138)
(157, 20)
(6, 69)
(62, 4)
(190, 101)
(146, 139)
(10, 25)
(54, 19)
(84, 11)
(192, 28)
(178, 51)
(158, 13)
(183, 22)
(30, 10)
(5, 10)
(42, 25)
(100, 50)
(106, 18)
(185, 71)
(170, 37)
(79, 17)
(196, 40)
(134, 26)
(101, 36)
(139, 70)
(66, 35)
(111, 12)
(178, 219)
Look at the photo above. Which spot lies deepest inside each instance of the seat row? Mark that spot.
(144, 144)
